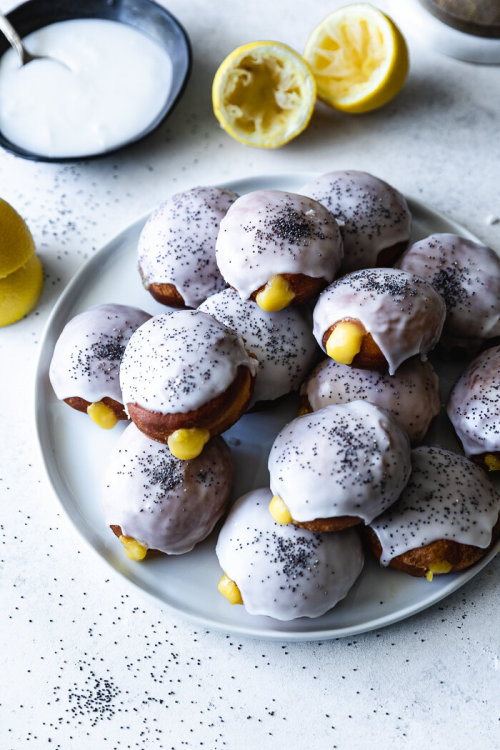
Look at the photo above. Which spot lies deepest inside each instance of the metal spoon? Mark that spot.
(15, 41)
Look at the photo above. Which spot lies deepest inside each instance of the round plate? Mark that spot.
(75, 454)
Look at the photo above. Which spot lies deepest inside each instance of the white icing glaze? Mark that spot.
(467, 275)
(411, 394)
(343, 460)
(166, 504)
(474, 405)
(100, 84)
(447, 497)
(371, 213)
(403, 313)
(177, 244)
(283, 571)
(282, 341)
(270, 232)
(178, 361)
(87, 354)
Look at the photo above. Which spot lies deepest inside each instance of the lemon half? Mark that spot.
(359, 58)
(16, 242)
(20, 291)
(263, 94)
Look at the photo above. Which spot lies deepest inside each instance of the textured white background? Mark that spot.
(89, 661)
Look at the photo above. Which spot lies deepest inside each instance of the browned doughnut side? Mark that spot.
(369, 356)
(389, 255)
(166, 294)
(81, 405)
(304, 405)
(478, 458)
(330, 524)
(217, 415)
(417, 562)
(304, 287)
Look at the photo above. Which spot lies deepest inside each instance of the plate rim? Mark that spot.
(47, 342)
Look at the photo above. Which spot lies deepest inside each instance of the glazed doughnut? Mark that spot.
(445, 519)
(411, 394)
(282, 341)
(378, 318)
(474, 409)
(283, 571)
(153, 501)
(84, 371)
(186, 377)
(338, 467)
(374, 218)
(467, 275)
(277, 248)
(177, 247)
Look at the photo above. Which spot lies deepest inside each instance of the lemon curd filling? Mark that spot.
(188, 443)
(344, 342)
(102, 415)
(442, 566)
(276, 294)
(230, 590)
(492, 462)
(133, 549)
(279, 511)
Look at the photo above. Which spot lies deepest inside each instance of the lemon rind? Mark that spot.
(385, 82)
(308, 91)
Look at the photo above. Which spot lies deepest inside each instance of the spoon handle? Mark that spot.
(13, 37)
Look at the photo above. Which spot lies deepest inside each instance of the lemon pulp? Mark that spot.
(20, 291)
(359, 58)
(263, 94)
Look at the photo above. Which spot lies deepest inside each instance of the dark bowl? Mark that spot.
(145, 15)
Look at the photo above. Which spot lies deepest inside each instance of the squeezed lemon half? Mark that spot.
(359, 58)
(263, 94)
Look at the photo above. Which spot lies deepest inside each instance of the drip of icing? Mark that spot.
(177, 244)
(271, 232)
(349, 459)
(371, 213)
(411, 394)
(282, 341)
(284, 571)
(168, 504)
(87, 354)
(447, 497)
(474, 404)
(467, 275)
(402, 312)
(179, 361)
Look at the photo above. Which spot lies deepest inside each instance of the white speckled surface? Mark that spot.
(92, 662)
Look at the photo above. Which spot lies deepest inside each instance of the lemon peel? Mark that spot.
(20, 291)
(16, 243)
(263, 94)
(359, 58)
